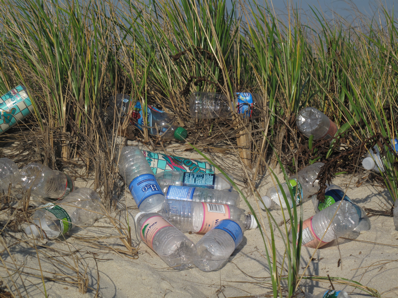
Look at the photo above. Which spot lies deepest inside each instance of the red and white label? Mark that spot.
(150, 228)
(213, 214)
(309, 238)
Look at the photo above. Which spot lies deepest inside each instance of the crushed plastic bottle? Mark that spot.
(9, 174)
(139, 177)
(395, 215)
(311, 121)
(199, 194)
(171, 245)
(209, 105)
(45, 182)
(303, 187)
(80, 208)
(335, 194)
(346, 220)
(188, 179)
(200, 217)
(215, 248)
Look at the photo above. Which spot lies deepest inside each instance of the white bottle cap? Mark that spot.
(32, 230)
(368, 163)
(253, 222)
(267, 201)
(137, 216)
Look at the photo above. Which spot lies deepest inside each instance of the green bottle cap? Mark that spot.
(180, 134)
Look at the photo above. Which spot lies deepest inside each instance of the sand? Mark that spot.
(101, 268)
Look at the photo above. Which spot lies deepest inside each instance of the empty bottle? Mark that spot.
(199, 194)
(311, 121)
(80, 208)
(335, 194)
(137, 173)
(215, 248)
(329, 294)
(305, 185)
(373, 160)
(209, 105)
(45, 182)
(200, 217)
(171, 245)
(188, 179)
(346, 220)
(395, 215)
(9, 174)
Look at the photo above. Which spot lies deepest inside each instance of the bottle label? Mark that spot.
(180, 193)
(295, 185)
(69, 186)
(309, 238)
(213, 214)
(331, 294)
(62, 215)
(137, 117)
(233, 229)
(150, 228)
(199, 180)
(144, 186)
(331, 197)
(245, 104)
(331, 131)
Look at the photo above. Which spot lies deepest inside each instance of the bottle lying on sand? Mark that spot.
(215, 248)
(9, 174)
(45, 182)
(188, 179)
(139, 177)
(199, 194)
(200, 217)
(346, 220)
(80, 208)
(171, 245)
(311, 121)
(209, 105)
(395, 215)
(332, 294)
(335, 194)
(373, 160)
(302, 184)
(160, 123)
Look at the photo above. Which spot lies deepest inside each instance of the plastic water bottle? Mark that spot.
(45, 182)
(9, 174)
(303, 186)
(215, 248)
(171, 245)
(209, 105)
(188, 179)
(311, 121)
(395, 215)
(346, 220)
(80, 208)
(137, 173)
(332, 294)
(335, 194)
(373, 160)
(199, 194)
(200, 217)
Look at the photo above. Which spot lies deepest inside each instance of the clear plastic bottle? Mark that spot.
(335, 194)
(200, 217)
(209, 105)
(346, 220)
(199, 194)
(373, 161)
(303, 187)
(80, 208)
(395, 215)
(171, 245)
(215, 248)
(9, 174)
(137, 173)
(189, 179)
(311, 121)
(45, 182)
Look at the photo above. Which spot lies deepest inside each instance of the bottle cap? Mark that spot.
(137, 216)
(32, 230)
(267, 201)
(368, 163)
(253, 222)
(180, 134)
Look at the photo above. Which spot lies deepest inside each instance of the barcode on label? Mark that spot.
(215, 208)
(306, 236)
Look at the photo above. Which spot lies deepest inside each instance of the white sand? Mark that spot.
(371, 260)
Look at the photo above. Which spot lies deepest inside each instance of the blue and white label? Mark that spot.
(199, 180)
(180, 193)
(245, 103)
(331, 294)
(233, 229)
(144, 186)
